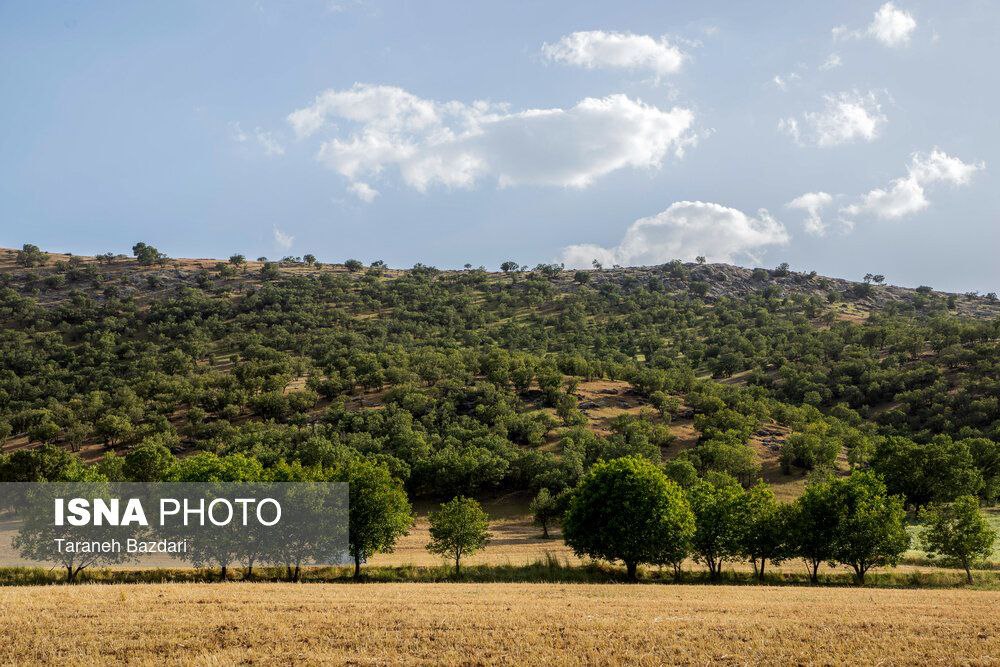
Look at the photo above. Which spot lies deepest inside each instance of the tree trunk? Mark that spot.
(968, 573)
(859, 574)
(249, 573)
(545, 529)
(814, 572)
(357, 566)
(630, 568)
(225, 573)
(760, 573)
(458, 563)
(70, 574)
(677, 572)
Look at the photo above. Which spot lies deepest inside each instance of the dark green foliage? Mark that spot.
(379, 511)
(627, 510)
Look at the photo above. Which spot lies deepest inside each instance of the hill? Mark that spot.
(492, 383)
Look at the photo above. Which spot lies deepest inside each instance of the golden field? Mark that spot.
(494, 623)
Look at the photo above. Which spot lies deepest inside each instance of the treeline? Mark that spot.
(628, 510)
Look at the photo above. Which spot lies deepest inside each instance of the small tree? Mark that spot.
(459, 528)
(544, 509)
(626, 509)
(309, 259)
(959, 532)
(353, 265)
(31, 255)
(508, 266)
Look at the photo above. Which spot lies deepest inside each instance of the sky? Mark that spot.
(846, 138)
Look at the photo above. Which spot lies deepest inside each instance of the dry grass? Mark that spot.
(488, 623)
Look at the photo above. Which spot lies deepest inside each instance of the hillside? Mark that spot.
(488, 383)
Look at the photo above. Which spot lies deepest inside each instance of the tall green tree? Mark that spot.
(871, 526)
(627, 509)
(813, 526)
(379, 511)
(721, 515)
(765, 534)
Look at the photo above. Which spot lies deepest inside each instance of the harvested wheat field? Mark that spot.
(478, 624)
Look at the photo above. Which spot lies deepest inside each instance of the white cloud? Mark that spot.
(891, 26)
(456, 144)
(907, 195)
(782, 81)
(282, 239)
(620, 50)
(363, 191)
(268, 143)
(239, 136)
(812, 203)
(846, 117)
(266, 140)
(832, 61)
(684, 231)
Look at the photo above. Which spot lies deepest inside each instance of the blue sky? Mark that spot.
(447, 133)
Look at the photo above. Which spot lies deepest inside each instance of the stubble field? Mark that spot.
(495, 623)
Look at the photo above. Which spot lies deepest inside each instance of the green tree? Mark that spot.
(720, 512)
(544, 510)
(937, 471)
(765, 535)
(813, 526)
(960, 533)
(379, 511)
(147, 254)
(626, 509)
(149, 462)
(459, 527)
(31, 255)
(871, 530)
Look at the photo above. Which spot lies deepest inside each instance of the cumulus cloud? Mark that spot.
(845, 118)
(891, 26)
(457, 145)
(597, 49)
(908, 194)
(812, 203)
(684, 231)
(282, 239)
